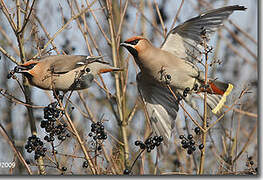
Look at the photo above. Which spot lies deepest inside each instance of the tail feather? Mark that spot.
(217, 93)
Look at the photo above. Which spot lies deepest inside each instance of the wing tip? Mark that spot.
(223, 99)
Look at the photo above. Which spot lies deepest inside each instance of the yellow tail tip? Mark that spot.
(223, 99)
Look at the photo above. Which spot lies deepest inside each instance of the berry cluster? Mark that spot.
(150, 143)
(189, 143)
(51, 126)
(98, 133)
(35, 144)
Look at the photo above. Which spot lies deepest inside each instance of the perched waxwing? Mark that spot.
(175, 63)
(64, 72)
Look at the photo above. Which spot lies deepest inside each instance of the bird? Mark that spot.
(174, 67)
(64, 72)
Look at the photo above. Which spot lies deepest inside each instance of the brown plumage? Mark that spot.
(174, 63)
(64, 72)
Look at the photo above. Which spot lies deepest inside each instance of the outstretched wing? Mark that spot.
(161, 105)
(185, 40)
(71, 61)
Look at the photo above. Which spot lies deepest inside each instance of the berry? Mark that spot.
(197, 130)
(160, 138)
(85, 164)
(64, 168)
(189, 151)
(126, 171)
(183, 142)
(192, 142)
(137, 143)
(201, 146)
(251, 163)
(193, 148)
(190, 136)
(142, 146)
(181, 137)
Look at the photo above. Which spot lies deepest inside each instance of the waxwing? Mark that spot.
(64, 72)
(175, 63)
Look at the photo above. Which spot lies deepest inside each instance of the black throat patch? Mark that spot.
(133, 51)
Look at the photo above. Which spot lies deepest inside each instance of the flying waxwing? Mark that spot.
(175, 63)
(64, 72)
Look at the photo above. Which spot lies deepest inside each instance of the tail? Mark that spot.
(216, 94)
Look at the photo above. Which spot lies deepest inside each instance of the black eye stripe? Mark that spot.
(134, 42)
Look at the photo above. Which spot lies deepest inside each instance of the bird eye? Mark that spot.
(87, 70)
(134, 42)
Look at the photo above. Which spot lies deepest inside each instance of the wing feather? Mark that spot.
(184, 40)
(161, 106)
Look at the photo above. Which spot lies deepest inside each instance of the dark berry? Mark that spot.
(185, 146)
(142, 146)
(27, 161)
(68, 135)
(193, 148)
(85, 164)
(160, 138)
(90, 134)
(148, 150)
(192, 142)
(126, 171)
(201, 146)
(64, 168)
(137, 143)
(148, 141)
(155, 138)
(26, 146)
(183, 142)
(181, 137)
(190, 136)
(189, 151)
(52, 138)
(37, 156)
(29, 150)
(104, 136)
(187, 89)
(99, 148)
(197, 130)
(43, 124)
(157, 143)
(251, 163)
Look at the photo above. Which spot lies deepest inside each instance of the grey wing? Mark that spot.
(161, 105)
(72, 62)
(185, 40)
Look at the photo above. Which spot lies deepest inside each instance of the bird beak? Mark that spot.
(20, 69)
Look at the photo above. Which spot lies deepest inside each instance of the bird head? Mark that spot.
(136, 44)
(26, 68)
